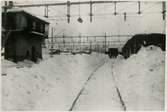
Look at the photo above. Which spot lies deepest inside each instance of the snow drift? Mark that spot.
(141, 79)
(52, 84)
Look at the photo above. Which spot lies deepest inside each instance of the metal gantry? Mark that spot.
(90, 3)
(68, 4)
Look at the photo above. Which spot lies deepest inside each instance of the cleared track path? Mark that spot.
(100, 91)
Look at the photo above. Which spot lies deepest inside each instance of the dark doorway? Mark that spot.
(27, 56)
(33, 54)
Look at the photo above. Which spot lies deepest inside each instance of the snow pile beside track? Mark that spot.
(50, 85)
(141, 79)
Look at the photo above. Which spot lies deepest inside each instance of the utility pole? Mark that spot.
(105, 41)
(68, 11)
(90, 46)
(64, 40)
(8, 5)
(124, 16)
(115, 8)
(163, 10)
(73, 44)
(91, 11)
(80, 41)
(52, 42)
(139, 5)
(5, 16)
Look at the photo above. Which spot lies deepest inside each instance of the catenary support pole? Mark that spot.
(91, 13)
(68, 11)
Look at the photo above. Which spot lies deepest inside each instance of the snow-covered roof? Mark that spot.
(15, 10)
(37, 33)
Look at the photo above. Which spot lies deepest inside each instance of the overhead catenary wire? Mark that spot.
(68, 3)
(110, 14)
(122, 13)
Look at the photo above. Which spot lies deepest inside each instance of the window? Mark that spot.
(42, 28)
(33, 25)
(46, 29)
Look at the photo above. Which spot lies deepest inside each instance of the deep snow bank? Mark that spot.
(141, 79)
(50, 85)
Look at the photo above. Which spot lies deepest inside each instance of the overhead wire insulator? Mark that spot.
(68, 11)
(163, 10)
(124, 16)
(80, 20)
(115, 8)
(91, 14)
(139, 7)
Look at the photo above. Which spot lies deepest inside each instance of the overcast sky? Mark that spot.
(150, 21)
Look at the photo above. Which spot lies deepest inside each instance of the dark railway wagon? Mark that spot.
(136, 42)
(113, 52)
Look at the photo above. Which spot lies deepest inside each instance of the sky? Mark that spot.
(149, 21)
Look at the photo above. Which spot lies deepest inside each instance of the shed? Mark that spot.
(24, 35)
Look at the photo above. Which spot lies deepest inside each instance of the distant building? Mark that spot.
(23, 35)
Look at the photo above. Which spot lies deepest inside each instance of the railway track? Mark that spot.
(80, 92)
(117, 91)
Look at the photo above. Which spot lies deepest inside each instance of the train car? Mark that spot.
(113, 52)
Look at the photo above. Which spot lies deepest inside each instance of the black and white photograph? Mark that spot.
(83, 55)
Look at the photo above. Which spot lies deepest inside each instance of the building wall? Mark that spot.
(9, 48)
(21, 22)
(24, 43)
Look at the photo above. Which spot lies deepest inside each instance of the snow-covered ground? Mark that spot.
(100, 92)
(52, 84)
(141, 79)
(55, 83)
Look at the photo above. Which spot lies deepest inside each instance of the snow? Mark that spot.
(141, 79)
(52, 84)
(100, 93)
